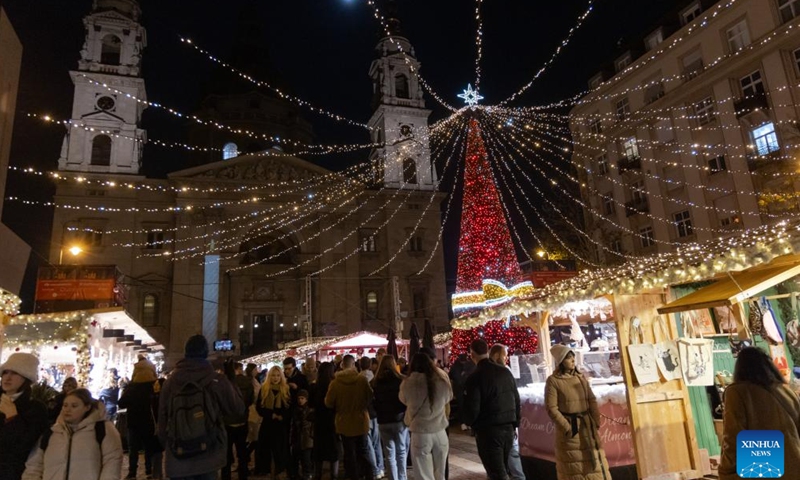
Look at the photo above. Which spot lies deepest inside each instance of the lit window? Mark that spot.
(608, 204)
(704, 111)
(738, 37)
(752, 85)
(690, 13)
(789, 9)
(683, 224)
(372, 305)
(150, 309)
(630, 148)
(647, 236)
(623, 108)
(230, 150)
(765, 139)
(717, 164)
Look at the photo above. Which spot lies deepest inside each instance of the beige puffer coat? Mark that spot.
(77, 455)
(578, 457)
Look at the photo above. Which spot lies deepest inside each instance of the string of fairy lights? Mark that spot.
(478, 43)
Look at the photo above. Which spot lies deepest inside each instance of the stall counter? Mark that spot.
(537, 431)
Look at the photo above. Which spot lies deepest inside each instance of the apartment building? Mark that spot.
(692, 133)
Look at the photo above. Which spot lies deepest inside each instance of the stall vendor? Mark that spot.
(572, 406)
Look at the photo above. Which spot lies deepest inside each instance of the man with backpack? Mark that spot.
(190, 416)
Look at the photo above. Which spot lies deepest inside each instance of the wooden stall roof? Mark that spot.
(735, 287)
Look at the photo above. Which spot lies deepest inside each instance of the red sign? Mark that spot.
(47, 290)
(537, 434)
(543, 279)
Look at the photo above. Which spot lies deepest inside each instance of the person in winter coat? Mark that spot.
(73, 450)
(301, 438)
(141, 402)
(296, 380)
(759, 399)
(274, 406)
(22, 420)
(391, 411)
(374, 435)
(572, 406)
(69, 385)
(109, 395)
(499, 355)
(426, 394)
(236, 425)
(349, 395)
(491, 408)
(327, 443)
(196, 369)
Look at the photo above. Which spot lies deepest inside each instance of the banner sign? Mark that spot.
(48, 290)
(537, 433)
(543, 279)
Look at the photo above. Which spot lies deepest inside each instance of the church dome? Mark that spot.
(129, 8)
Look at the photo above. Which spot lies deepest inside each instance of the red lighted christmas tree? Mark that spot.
(487, 263)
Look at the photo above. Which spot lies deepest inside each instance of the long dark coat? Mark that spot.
(325, 438)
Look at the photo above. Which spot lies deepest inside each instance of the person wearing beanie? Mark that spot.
(572, 406)
(195, 368)
(492, 409)
(301, 438)
(141, 400)
(22, 419)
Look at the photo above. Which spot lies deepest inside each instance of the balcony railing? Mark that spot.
(637, 206)
(633, 162)
(750, 104)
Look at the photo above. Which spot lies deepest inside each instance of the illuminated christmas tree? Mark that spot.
(488, 270)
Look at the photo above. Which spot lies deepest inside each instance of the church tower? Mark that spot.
(104, 136)
(400, 119)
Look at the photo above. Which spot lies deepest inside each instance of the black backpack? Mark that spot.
(194, 426)
(99, 435)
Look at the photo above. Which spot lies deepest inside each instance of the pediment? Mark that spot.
(103, 115)
(268, 166)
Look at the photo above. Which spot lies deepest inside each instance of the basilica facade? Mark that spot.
(215, 248)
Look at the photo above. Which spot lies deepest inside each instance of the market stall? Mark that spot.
(83, 344)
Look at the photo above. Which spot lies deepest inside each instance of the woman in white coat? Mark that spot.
(82, 445)
(426, 393)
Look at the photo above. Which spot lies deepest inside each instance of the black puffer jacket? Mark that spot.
(490, 397)
(19, 435)
(142, 403)
(387, 402)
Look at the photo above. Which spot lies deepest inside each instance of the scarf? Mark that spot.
(274, 396)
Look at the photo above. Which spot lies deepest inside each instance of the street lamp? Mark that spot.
(74, 250)
(541, 253)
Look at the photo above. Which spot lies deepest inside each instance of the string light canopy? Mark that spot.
(9, 303)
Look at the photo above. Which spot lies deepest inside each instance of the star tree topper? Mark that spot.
(470, 96)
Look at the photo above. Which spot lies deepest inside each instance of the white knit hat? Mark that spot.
(559, 353)
(23, 364)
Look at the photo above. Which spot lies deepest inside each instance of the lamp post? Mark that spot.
(74, 250)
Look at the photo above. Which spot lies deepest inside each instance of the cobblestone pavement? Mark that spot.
(464, 461)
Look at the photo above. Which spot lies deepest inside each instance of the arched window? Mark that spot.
(150, 309)
(111, 48)
(409, 170)
(372, 305)
(230, 150)
(401, 86)
(101, 150)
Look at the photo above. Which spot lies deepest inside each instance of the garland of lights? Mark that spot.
(494, 332)
(9, 303)
(478, 43)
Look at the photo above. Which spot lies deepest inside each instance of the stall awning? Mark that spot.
(737, 286)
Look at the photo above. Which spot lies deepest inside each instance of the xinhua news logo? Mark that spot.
(759, 454)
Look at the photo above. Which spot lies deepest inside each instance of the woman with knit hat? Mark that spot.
(140, 398)
(22, 420)
(572, 406)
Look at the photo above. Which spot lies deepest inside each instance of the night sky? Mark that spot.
(321, 49)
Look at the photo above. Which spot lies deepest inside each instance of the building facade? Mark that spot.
(15, 252)
(692, 133)
(216, 249)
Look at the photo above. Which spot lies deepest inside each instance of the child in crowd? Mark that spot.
(302, 438)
